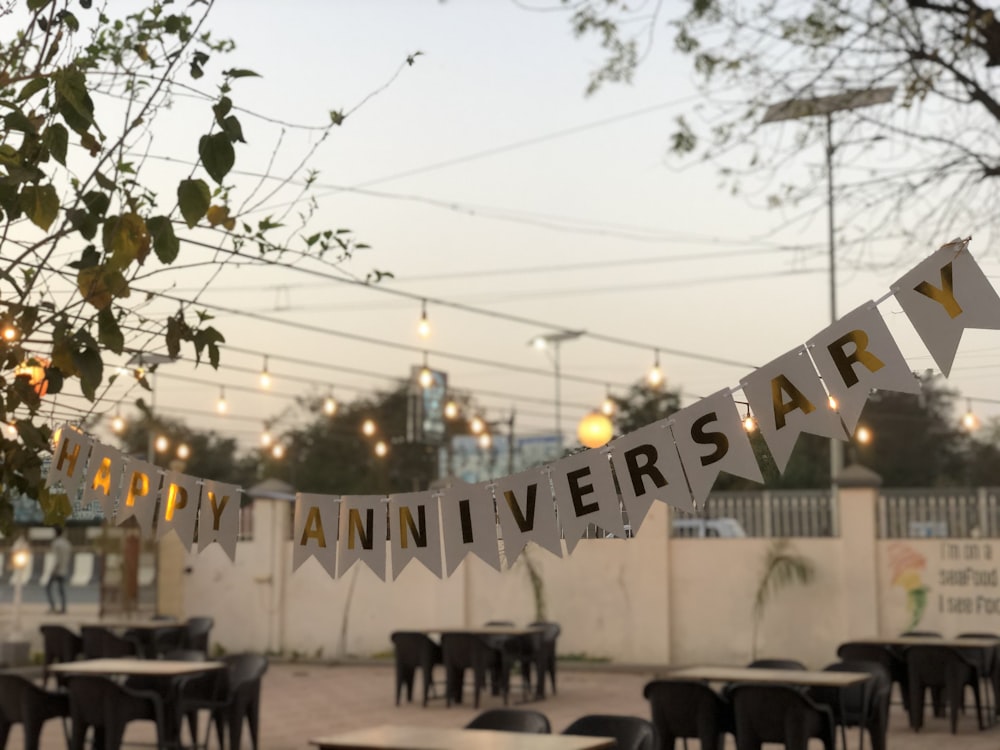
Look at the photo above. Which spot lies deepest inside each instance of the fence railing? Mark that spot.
(958, 513)
(765, 513)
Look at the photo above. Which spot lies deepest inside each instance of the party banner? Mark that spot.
(710, 438)
(414, 531)
(69, 460)
(468, 524)
(527, 513)
(219, 516)
(103, 478)
(362, 533)
(314, 530)
(585, 494)
(787, 398)
(857, 354)
(140, 489)
(648, 468)
(944, 295)
(179, 497)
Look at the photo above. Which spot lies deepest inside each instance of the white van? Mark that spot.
(700, 528)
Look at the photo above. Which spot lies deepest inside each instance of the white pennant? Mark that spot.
(219, 516)
(857, 354)
(138, 493)
(69, 460)
(179, 498)
(585, 494)
(944, 295)
(469, 524)
(787, 398)
(710, 438)
(414, 531)
(648, 468)
(315, 528)
(527, 513)
(103, 478)
(362, 533)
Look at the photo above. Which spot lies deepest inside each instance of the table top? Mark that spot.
(396, 737)
(485, 630)
(130, 666)
(774, 676)
(126, 624)
(930, 641)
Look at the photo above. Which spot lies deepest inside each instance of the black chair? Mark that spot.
(414, 651)
(522, 650)
(864, 705)
(920, 634)
(23, 702)
(196, 633)
(779, 713)
(545, 659)
(689, 709)
(232, 698)
(947, 670)
(630, 732)
(168, 638)
(108, 707)
(890, 658)
(776, 664)
(987, 662)
(60, 645)
(101, 642)
(512, 720)
(461, 651)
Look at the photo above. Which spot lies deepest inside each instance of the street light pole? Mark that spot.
(553, 342)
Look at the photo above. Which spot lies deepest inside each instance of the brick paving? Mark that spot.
(300, 701)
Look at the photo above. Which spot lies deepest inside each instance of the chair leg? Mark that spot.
(916, 699)
(253, 720)
(4, 731)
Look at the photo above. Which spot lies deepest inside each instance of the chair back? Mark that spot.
(855, 703)
(12, 689)
(115, 647)
(22, 701)
(630, 732)
(512, 720)
(87, 697)
(778, 713)
(466, 650)
(92, 640)
(500, 624)
(245, 670)
(415, 649)
(776, 664)
(184, 654)
(196, 633)
(687, 708)
(930, 665)
(868, 652)
(61, 644)
(920, 634)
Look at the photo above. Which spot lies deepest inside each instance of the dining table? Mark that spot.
(402, 737)
(801, 677)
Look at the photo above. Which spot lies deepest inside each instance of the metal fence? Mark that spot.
(960, 513)
(766, 513)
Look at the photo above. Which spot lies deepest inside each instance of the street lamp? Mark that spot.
(825, 106)
(552, 342)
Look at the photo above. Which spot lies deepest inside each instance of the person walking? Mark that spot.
(63, 552)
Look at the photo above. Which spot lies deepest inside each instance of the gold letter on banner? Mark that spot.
(586, 475)
(141, 488)
(70, 460)
(856, 355)
(219, 516)
(314, 530)
(363, 527)
(104, 475)
(179, 497)
(527, 513)
(469, 524)
(414, 531)
(944, 295)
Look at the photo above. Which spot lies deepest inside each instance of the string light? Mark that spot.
(970, 421)
(424, 326)
(265, 376)
(117, 424)
(9, 333)
(833, 403)
(608, 406)
(381, 449)
(863, 435)
(278, 451)
(221, 405)
(450, 410)
(10, 431)
(162, 444)
(329, 406)
(265, 438)
(485, 440)
(426, 377)
(183, 452)
(477, 425)
(655, 375)
(368, 427)
(749, 422)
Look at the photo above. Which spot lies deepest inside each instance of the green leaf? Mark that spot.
(108, 332)
(41, 204)
(96, 202)
(55, 377)
(211, 338)
(165, 242)
(83, 222)
(56, 507)
(217, 155)
(32, 87)
(232, 128)
(56, 140)
(127, 239)
(89, 259)
(240, 73)
(71, 21)
(72, 99)
(37, 4)
(30, 435)
(91, 368)
(193, 198)
(222, 109)
(103, 181)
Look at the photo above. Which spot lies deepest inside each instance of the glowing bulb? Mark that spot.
(655, 376)
(594, 430)
(608, 406)
(863, 435)
(477, 425)
(139, 372)
(10, 431)
(118, 424)
(183, 452)
(833, 403)
(162, 444)
(368, 427)
(266, 439)
(278, 451)
(539, 342)
(221, 405)
(749, 424)
(381, 449)
(329, 406)
(970, 421)
(19, 559)
(265, 380)
(450, 410)
(424, 326)
(485, 441)
(9, 333)
(426, 379)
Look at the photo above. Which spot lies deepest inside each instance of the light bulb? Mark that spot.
(426, 379)
(10, 431)
(265, 376)
(655, 376)
(266, 439)
(970, 421)
(368, 427)
(424, 326)
(9, 333)
(477, 425)
(863, 435)
(833, 403)
(162, 444)
(329, 406)
(749, 424)
(117, 424)
(183, 452)
(278, 451)
(450, 410)
(381, 449)
(221, 406)
(608, 406)
(485, 441)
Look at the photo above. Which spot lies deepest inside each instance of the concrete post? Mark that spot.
(272, 530)
(857, 490)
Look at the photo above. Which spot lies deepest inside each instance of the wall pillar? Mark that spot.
(858, 489)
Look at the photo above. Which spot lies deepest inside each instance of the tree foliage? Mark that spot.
(88, 233)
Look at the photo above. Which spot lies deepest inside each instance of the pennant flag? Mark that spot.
(103, 477)
(857, 354)
(317, 520)
(944, 295)
(469, 524)
(69, 461)
(363, 526)
(527, 513)
(787, 398)
(219, 516)
(710, 438)
(648, 468)
(179, 497)
(585, 494)
(414, 531)
(138, 494)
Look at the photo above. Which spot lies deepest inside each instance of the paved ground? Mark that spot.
(303, 701)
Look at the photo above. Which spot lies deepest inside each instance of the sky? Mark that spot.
(482, 176)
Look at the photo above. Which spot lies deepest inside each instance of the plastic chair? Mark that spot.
(60, 645)
(196, 633)
(779, 713)
(231, 698)
(100, 642)
(461, 651)
(414, 651)
(630, 732)
(890, 658)
(512, 720)
(946, 669)
(108, 707)
(920, 634)
(545, 659)
(776, 664)
(864, 705)
(689, 709)
(988, 664)
(23, 702)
